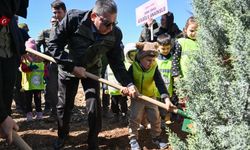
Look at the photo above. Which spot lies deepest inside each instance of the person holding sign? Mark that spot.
(151, 26)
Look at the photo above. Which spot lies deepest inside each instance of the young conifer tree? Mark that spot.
(218, 80)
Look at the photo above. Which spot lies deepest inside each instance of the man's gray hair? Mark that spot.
(105, 6)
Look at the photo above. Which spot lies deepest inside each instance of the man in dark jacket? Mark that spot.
(89, 36)
(11, 47)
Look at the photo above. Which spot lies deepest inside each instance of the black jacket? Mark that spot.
(9, 8)
(173, 31)
(86, 47)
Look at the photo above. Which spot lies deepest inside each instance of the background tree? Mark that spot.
(218, 81)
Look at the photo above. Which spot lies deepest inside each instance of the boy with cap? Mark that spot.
(147, 78)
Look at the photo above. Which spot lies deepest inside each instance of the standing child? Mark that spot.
(119, 104)
(183, 49)
(32, 81)
(164, 62)
(147, 78)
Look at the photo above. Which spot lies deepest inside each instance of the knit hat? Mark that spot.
(147, 49)
(30, 43)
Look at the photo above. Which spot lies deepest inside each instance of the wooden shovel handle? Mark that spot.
(19, 142)
(94, 77)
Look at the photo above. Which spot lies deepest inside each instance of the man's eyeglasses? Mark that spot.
(106, 22)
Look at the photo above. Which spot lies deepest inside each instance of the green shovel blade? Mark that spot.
(188, 126)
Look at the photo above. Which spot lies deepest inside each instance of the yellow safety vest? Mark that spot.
(144, 80)
(188, 47)
(33, 80)
(164, 67)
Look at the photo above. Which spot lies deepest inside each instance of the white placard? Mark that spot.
(150, 9)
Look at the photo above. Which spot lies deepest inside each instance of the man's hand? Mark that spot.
(79, 72)
(6, 129)
(169, 104)
(124, 91)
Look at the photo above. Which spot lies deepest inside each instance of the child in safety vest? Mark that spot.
(184, 47)
(33, 81)
(119, 104)
(146, 78)
(164, 61)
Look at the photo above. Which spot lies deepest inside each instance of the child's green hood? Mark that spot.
(128, 49)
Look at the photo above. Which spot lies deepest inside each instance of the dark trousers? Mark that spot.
(119, 104)
(105, 100)
(37, 99)
(8, 70)
(51, 97)
(19, 96)
(67, 90)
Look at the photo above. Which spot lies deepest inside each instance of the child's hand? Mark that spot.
(26, 57)
(130, 91)
(133, 92)
(169, 104)
(176, 78)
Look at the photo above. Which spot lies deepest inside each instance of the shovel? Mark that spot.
(19, 142)
(117, 86)
(188, 124)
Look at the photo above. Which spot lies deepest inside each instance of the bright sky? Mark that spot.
(39, 14)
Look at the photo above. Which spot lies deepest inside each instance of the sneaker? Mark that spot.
(29, 116)
(39, 115)
(160, 143)
(134, 144)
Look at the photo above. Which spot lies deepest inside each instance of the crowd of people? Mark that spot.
(90, 41)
